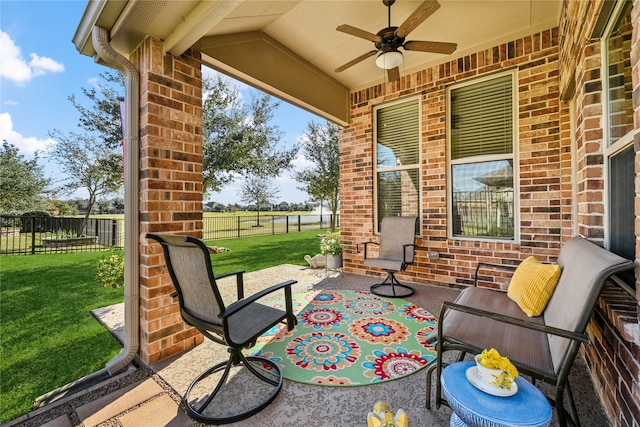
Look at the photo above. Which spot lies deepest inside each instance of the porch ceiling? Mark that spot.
(290, 48)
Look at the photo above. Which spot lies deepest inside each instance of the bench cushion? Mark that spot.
(526, 348)
(532, 285)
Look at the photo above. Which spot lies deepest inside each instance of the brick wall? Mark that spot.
(614, 355)
(561, 178)
(536, 59)
(170, 187)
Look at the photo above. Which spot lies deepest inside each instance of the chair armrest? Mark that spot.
(239, 280)
(239, 305)
(365, 244)
(488, 264)
(511, 320)
(404, 252)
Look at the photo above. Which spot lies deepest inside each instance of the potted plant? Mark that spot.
(331, 248)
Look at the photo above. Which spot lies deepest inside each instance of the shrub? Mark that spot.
(330, 243)
(111, 271)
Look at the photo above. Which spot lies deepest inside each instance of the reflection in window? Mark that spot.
(483, 199)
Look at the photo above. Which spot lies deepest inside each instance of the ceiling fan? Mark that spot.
(390, 39)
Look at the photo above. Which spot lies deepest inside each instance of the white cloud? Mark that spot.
(11, 102)
(26, 145)
(13, 65)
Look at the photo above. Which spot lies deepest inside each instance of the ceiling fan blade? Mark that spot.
(435, 47)
(393, 74)
(355, 61)
(418, 16)
(359, 33)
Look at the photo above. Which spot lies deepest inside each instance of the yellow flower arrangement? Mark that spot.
(492, 359)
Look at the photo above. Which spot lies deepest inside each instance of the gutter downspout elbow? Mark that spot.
(100, 38)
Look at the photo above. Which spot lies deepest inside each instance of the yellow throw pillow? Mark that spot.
(533, 284)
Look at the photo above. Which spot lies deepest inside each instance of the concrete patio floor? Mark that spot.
(151, 396)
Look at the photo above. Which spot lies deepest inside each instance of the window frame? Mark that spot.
(485, 158)
(417, 166)
(610, 150)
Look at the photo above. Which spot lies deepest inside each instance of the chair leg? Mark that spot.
(430, 369)
(235, 358)
(391, 281)
(566, 418)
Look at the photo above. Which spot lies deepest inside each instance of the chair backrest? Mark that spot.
(189, 265)
(396, 231)
(585, 268)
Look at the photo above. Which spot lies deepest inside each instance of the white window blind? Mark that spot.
(482, 119)
(398, 135)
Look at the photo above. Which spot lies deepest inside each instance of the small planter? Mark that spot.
(334, 261)
(61, 242)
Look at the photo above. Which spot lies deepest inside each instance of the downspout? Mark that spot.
(131, 224)
(110, 57)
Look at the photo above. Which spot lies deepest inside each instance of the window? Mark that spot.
(397, 154)
(619, 150)
(481, 160)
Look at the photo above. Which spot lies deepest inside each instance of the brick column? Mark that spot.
(170, 187)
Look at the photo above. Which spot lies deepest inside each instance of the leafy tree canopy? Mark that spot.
(320, 145)
(238, 138)
(92, 158)
(23, 185)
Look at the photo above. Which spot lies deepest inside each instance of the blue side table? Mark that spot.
(473, 407)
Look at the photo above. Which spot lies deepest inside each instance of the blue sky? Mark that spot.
(40, 68)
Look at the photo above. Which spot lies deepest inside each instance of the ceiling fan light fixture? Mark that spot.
(389, 60)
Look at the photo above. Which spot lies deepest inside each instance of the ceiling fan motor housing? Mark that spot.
(389, 41)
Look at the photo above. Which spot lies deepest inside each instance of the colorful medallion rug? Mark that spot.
(349, 338)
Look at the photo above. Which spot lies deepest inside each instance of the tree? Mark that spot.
(103, 119)
(320, 145)
(258, 189)
(237, 137)
(86, 164)
(23, 186)
(92, 159)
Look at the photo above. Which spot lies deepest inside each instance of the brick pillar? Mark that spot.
(170, 187)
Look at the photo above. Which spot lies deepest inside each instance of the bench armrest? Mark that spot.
(511, 320)
(511, 268)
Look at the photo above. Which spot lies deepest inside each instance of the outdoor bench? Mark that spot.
(542, 347)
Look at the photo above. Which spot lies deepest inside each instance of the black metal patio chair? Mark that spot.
(237, 325)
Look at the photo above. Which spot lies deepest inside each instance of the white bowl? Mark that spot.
(487, 375)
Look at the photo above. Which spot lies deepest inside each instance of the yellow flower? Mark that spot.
(492, 359)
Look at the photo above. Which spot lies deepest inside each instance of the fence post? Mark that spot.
(298, 222)
(238, 226)
(273, 225)
(287, 225)
(33, 235)
(114, 224)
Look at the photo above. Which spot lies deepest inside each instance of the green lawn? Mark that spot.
(48, 337)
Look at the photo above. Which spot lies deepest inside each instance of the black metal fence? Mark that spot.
(51, 234)
(48, 234)
(236, 226)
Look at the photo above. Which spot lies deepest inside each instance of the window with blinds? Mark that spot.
(481, 141)
(397, 155)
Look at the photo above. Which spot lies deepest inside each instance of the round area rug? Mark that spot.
(349, 338)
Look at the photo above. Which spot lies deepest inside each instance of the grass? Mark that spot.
(48, 337)
(256, 253)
